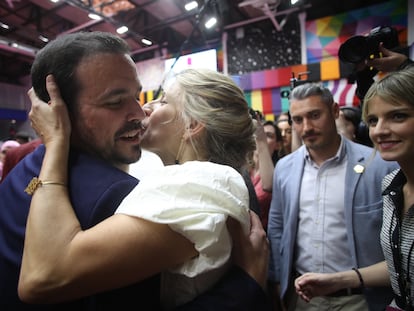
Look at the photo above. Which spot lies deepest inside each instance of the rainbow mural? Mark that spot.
(324, 36)
(268, 91)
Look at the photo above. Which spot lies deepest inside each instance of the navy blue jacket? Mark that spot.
(96, 189)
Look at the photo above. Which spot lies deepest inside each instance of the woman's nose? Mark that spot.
(380, 129)
(150, 107)
(147, 109)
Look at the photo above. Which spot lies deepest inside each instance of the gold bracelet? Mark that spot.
(36, 183)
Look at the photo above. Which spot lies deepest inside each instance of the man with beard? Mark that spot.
(326, 209)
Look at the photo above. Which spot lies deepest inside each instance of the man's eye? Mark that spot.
(113, 104)
(314, 115)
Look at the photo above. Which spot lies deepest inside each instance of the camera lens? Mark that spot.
(354, 50)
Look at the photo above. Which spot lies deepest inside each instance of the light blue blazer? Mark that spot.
(363, 214)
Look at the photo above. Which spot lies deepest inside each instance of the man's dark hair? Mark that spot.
(62, 56)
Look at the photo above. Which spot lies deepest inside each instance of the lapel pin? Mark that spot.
(359, 169)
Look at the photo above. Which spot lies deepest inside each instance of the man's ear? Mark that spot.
(335, 110)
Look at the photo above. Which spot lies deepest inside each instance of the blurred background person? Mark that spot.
(22, 137)
(262, 163)
(16, 154)
(285, 127)
(348, 121)
(5, 147)
(274, 140)
(350, 125)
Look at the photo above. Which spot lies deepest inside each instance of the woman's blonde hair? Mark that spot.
(396, 87)
(214, 99)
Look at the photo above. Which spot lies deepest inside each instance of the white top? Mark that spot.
(194, 199)
(145, 165)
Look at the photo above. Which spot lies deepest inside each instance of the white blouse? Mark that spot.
(194, 199)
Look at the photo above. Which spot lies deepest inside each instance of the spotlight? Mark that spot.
(191, 5)
(121, 30)
(210, 22)
(94, 16)
(43, 38)
(146, 41)
(5, 26)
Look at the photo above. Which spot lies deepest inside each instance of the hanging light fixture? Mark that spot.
(94, 16)
(211, 18)
(146, 41)
(191, 5)
(121, 30)
(211, 21)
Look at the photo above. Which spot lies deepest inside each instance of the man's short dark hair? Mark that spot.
(62, 56)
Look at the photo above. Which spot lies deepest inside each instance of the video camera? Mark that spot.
(359, 48)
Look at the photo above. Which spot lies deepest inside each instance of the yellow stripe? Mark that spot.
(257, 101)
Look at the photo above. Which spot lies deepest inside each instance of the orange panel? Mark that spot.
(330, 69)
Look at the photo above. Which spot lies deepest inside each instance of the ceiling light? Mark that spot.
(210, 22)
(20, 48)
(94, 16)
(146, 41)
(43, 38)
(54, 1)
(5, 26)
(191, 5)
(293, 2)
(121, 30)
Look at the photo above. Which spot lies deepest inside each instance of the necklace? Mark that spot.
(180, 151)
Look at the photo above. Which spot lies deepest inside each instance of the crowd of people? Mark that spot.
(300, 212)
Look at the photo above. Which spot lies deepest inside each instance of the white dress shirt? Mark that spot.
(322, 242)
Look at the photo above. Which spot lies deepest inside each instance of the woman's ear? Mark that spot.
(194, 129)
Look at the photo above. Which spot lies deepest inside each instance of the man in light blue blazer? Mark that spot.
(326, 209)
